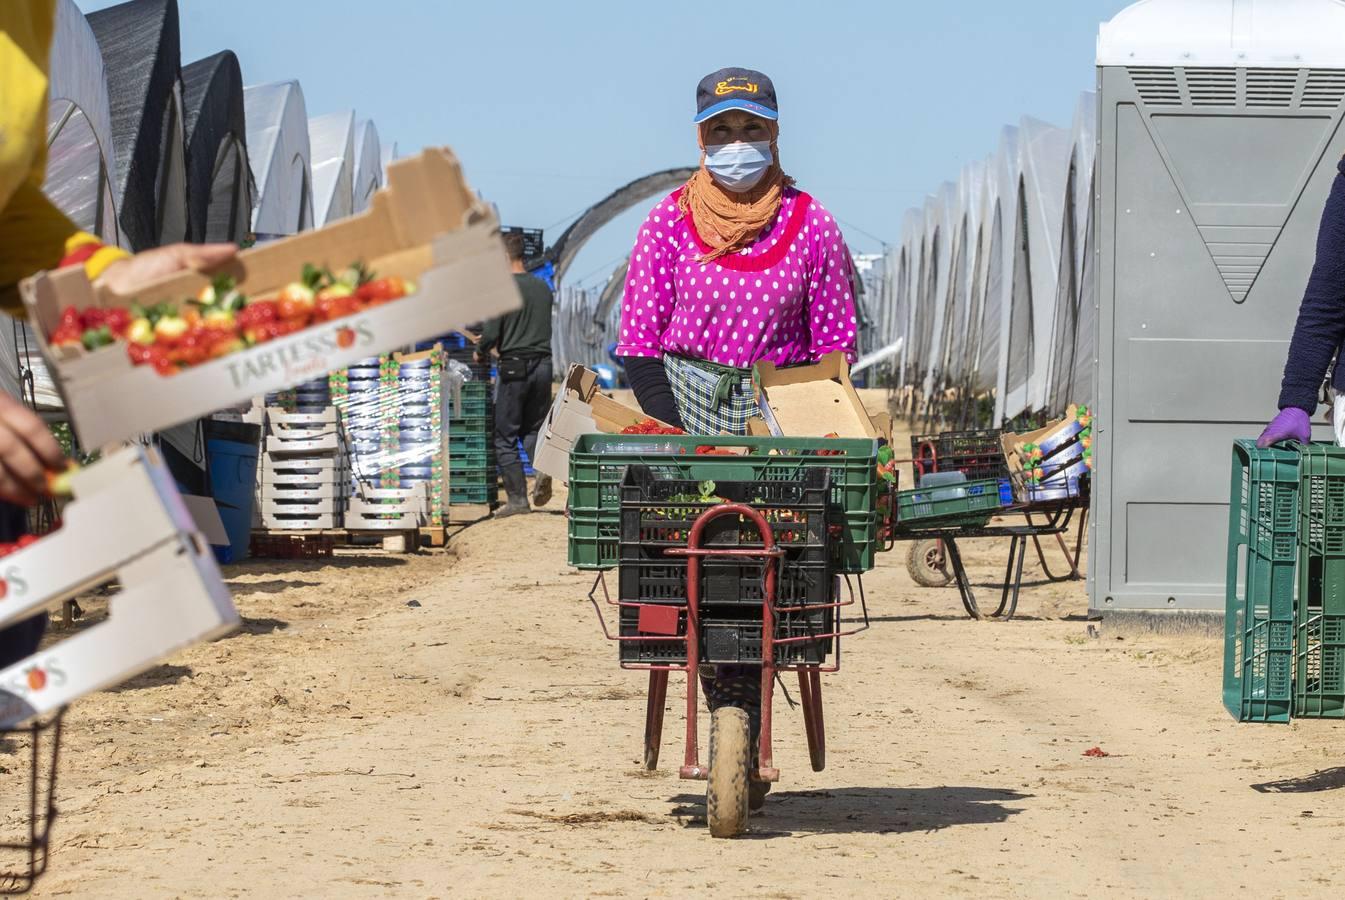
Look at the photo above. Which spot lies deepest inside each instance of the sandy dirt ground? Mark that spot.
(454, 724)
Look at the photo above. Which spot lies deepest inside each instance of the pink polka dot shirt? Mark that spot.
(786, 298)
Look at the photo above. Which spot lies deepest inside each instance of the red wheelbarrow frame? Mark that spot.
(810, 680)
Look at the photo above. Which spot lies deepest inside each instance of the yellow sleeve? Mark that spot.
(32, 237)
(32, 231)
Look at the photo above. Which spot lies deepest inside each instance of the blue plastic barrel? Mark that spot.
(233, 480)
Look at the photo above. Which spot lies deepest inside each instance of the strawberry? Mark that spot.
(93, 317)
(67, 336)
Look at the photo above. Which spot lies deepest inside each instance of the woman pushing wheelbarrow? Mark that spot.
(735, 267)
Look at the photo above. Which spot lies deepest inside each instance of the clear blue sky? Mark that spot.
(551, 105)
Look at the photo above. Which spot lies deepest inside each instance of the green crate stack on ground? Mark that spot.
(472, 472)
(1284, 641)
(1319, 620)
(1259, 590)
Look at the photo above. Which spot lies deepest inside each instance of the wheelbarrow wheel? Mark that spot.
(726, 790)
(927, 564)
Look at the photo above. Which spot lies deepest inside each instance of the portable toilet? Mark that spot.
(1218, 142)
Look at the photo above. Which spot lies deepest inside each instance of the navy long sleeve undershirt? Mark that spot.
(1321, 317)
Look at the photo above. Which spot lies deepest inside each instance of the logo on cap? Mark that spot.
(728, 87)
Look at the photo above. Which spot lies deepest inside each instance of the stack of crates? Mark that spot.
(304, 477)
(472, 476)
(1284, 639)
(393, 411)
(633, 497)
(656, 513)
(400, 509)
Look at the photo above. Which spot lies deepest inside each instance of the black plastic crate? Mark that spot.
(728, 641)
(978, 454)
(657, 513)
(726, 583)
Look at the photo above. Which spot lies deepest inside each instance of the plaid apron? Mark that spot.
(712, 399)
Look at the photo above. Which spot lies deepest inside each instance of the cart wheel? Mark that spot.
(927, 564)
(730, 764)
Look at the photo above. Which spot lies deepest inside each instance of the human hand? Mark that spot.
(27, 453)
(126, 276)
(1292, 424)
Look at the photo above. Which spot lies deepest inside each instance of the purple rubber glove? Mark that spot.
(1292, 424)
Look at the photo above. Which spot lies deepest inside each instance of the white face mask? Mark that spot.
(738, 167)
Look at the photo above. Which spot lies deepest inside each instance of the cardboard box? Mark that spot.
(302, 506)
(123, 505)
(301, 433)
(309, 491)
(375, 521)
(281, 482)
(427, 225)
(328, 442)
(205, 515)
(579, 408)
(1062, 463)
(812, 401)
(299, 466)
(171, 597)
(278, 417)
(301, 523)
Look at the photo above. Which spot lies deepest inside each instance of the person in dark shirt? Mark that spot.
(523, 394)
(1319, 332)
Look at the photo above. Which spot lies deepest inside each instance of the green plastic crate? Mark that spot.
(934, 505)
(473, 494)
(598, 463)
(469, 477)
(1319, 620)
(1259, 590)
(476, 459)
(594, 539)
(469, 407)
(468, 442)
(471, 425)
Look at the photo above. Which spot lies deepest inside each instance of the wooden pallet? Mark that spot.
(319, 543)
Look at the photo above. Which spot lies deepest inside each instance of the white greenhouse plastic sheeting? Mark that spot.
(140, 44)
(332, 138)
(80, 157)
(988, 279)
(278, 151)
(368, 172)
(386, 155)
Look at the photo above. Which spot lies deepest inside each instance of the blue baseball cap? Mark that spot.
(734, 88)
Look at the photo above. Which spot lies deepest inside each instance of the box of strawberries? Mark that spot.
(423, 260)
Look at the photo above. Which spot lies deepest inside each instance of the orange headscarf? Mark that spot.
(726, 221)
